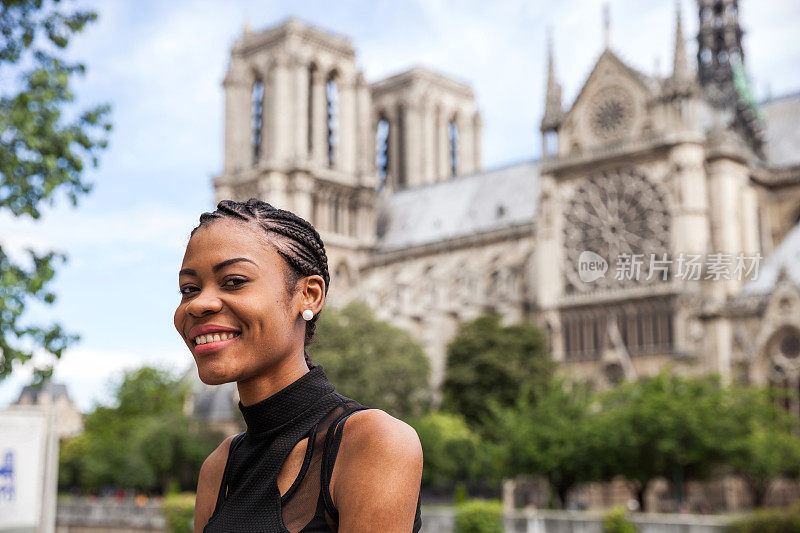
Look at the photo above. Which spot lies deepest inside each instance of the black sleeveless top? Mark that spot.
(249, 499)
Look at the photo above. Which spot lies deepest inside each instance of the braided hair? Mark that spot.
(298, 242)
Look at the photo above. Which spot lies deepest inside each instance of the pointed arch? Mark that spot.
(332, 115)
(256, 116)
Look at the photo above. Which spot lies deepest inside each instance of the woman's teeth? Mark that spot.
(213, 337)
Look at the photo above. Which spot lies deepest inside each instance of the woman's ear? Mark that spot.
(313, 293)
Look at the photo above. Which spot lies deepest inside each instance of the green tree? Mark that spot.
(486, 360)
(143, 441)
(548, 431)
(371, 361)
(454, 453)
(764, 444)
(664, 425)
(41, 153)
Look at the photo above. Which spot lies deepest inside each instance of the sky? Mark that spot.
(160, 65)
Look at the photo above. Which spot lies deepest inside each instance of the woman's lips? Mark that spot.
(202, 349)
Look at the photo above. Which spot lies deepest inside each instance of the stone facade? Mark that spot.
(390, 174)
(69, 421)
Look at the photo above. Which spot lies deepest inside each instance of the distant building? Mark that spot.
(69, 420)
(638, 166)
(215, 405)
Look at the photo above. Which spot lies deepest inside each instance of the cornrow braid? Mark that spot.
(299, 243)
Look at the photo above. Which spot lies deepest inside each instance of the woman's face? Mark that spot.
(232, 281)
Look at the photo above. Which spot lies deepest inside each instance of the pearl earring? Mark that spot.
(308, 314)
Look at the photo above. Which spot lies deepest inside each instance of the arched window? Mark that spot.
(257, 101)
(452, 133)
(312, 74)
(332, 97)
(382, 151)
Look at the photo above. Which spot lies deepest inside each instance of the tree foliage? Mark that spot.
(666, 425)
(679, 428)
(454, 453)
(548, 431)
(143, 442)
(41, 153)
(377, 364)
(766, 442)
(486, 360)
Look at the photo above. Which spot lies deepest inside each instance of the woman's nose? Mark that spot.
(204, 303)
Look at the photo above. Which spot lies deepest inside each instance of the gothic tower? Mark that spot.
(428, 128)
(298, 135)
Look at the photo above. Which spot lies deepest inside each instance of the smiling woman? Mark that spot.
(253, 282)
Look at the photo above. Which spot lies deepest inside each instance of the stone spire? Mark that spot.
(553, 111)
(682, 79)
(680, 65)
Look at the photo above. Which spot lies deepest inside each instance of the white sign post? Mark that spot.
(28, 469)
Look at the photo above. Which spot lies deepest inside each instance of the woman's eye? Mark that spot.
(230, 283)
(235, 282)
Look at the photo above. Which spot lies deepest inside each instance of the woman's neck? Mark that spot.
(275, 378)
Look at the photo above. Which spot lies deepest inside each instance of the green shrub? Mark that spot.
(617, 521)
(178, 510)
(460, 494)
(452, 450)
(768, 521)
(479, 516)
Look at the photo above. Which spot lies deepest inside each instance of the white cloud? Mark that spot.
(90, 373)
(127, 233)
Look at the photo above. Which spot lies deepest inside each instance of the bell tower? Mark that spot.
(719, 49)
(298, 135)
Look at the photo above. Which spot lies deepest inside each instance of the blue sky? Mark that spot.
(160, 66)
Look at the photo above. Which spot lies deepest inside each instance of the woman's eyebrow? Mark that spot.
(216, 268)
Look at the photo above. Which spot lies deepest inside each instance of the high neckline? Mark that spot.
(271, 413)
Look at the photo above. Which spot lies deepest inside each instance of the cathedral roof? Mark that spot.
(782, 130)
(784, 260)
(461, 206)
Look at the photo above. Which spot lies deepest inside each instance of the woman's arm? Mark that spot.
(376, 477)
(208, 484)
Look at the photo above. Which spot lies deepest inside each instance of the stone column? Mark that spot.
(319, 115)
(394, 151)
(728, 179)
(281, 109)
(750, 222)
(477, 145)
(268, 133)
(300, 75)
(412, 153)
(690, 232)
(365, 149)
(466, 157)
(428, 144)
(237, 87)
(346, 120)
(443, 140)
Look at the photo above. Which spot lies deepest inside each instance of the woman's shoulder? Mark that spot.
(380, 462)
(209, 480)
(376, 430)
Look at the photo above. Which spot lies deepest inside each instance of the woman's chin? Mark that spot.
(211, 376)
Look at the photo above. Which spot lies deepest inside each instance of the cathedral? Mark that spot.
(661, 225)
